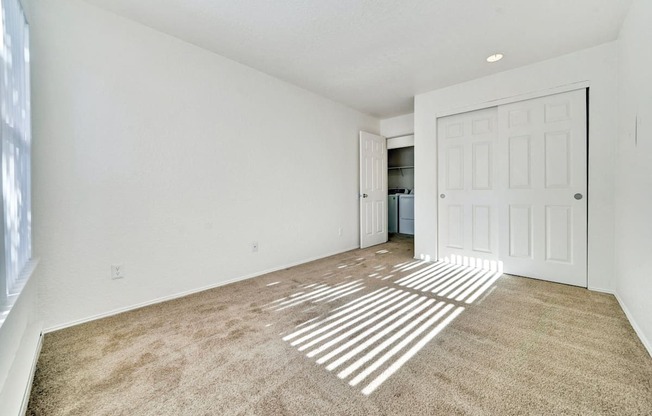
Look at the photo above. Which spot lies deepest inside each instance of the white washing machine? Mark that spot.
(406, 214)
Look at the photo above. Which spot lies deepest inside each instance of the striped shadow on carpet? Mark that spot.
(369, 338)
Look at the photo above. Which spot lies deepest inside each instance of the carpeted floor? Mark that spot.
(367, 332)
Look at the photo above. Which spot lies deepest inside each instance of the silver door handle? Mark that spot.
(364, 195)
(578, 196)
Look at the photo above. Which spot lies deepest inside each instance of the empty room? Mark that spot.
(326, 207)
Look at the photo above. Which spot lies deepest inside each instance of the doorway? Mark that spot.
(400, 182)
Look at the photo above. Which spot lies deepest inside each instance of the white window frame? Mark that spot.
(15, 153)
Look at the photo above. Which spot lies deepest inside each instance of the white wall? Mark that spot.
(598, 66)
(634, 173)
(172, 160)
(397, 126)
(20, 334)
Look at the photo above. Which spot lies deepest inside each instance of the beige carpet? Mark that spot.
(368, 332)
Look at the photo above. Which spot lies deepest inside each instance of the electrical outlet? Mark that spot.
(339, 232)
(254, 247)
(117, 271)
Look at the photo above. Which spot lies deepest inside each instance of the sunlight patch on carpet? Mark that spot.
(371, 338)
(452, 281)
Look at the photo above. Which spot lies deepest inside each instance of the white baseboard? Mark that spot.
(637, 329)
(28, 388)
(189, 292)
(598, 289)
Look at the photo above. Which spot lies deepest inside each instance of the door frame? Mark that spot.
(582, 85)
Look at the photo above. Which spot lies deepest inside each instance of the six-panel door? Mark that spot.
(373, 189)
(468, 221)
(543, 220)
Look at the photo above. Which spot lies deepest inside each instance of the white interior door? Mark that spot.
(467, 217)
(543, 184)
(373, 189)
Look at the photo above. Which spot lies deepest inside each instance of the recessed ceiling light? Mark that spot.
(495, 57)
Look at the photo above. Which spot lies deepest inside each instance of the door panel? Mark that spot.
(557, 154)
(558, 234)
(482, 228)
(519, 165)
(373, 189)
(455, 226)
(545, 227)
(455, 168)
(482, 173)
(520, 231)
(467, 219)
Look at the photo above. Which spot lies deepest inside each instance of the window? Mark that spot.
(15, 131)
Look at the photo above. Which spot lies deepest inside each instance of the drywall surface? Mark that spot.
(634, 170)
(19, 340)
(397, 126)
(597, 67)
(20, 335)
(401, 141)
(172, 161)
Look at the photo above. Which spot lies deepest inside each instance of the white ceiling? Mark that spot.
(375, 55)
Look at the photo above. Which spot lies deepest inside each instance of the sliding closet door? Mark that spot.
(542, 185)
(468, 221)
(512, 187)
